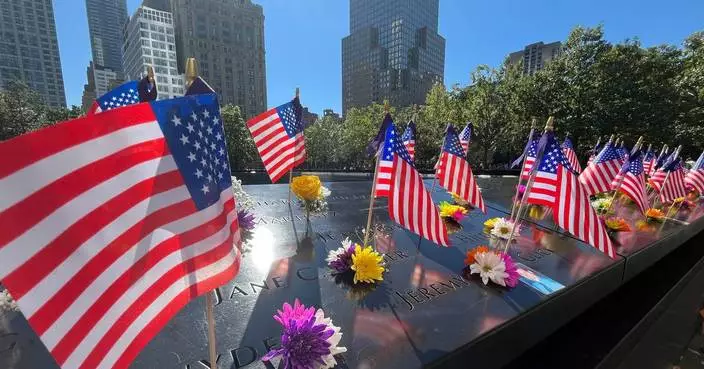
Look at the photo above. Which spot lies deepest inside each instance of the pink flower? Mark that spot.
(511, 270)
(297, 312)
(457, 216)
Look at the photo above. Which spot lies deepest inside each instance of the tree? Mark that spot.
(241, 150)
(324, 138)
(21, 110)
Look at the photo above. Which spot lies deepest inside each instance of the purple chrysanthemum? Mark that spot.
(304, 343)
(245, 219)
(340, 260)
(511, 270)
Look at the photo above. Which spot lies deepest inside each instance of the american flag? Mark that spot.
(466, 137)
(672, 186)
(557, 187)
(632, 179)
(410, 204)
(409, 140)
(278, 135)
(661, 160)
(386, 158)
(595, 152)
(623, 152)
(695, 177)
(122, 95)
(648, 161)
(597, 177)
(455, 174)
(568, 150)
(114, 222)
(529, 161)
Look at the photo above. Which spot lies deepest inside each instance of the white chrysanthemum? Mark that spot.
(244, 201)
(601, 205)
(490, 266)
(335, 254)
(334, 340)
(324, 192)
(7, 303)
(502, 228)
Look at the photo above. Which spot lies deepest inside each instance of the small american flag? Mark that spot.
(595, 152)
(672, 186)
(113, 222)
(122, 95)
(466, 137)
(529, 161)
(557, 187)
(695, 177)
(648, 162)
(386, 158)
(597, 177)
(278, 135)
(662, 159)
(568, 150)
(632, 176)
(455, 174)
(410, 204)
(623, 152)
(409, 140)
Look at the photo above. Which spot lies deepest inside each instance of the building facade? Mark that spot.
(150, 41)
(393, 52)
(535, 56)
(227, 39)
(29, 51)
(106, 23)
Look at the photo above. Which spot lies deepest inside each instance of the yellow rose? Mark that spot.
(306, 187)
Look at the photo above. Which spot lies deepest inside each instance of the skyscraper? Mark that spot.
(29, 51)
(106, 24)
(149, 41)
(393, 51)
(535, 56)
(227, 39)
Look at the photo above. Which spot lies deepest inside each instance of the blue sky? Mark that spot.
(303, 37)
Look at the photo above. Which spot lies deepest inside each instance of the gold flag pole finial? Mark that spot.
(650, 147)
(386, 106)
(550, 125)
(298, 92)
(191, 71)
(150, 73)
(567, 134)
(533, 123)
(639, 143)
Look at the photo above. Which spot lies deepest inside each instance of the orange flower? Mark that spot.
(644, 226)
(654, 214)
(473, 252)
(617, 224)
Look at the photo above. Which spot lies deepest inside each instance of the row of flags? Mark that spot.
(114, 221)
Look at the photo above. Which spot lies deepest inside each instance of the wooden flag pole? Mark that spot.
(520, 175)
(191, 75)
(376, 173)
(290, 172)
(620, 181)
(437, 163)
(538, 157)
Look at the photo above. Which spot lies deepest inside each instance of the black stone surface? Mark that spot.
(425, 313)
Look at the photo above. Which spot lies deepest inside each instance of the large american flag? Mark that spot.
(695, 177)
(568, 150)
(632, 180)
(599, 174)
(648, 161)
(409, 140)
(558, 187)
(410, 203)
(385, 160)
(466, 137)
(670, 186)
(455, 174)
(122, 95)
(114, 222)
(529, 160)
(278, 135)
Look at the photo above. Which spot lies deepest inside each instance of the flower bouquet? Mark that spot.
(501, 228)
(452, 215)
(311, 193)
(360, 264)
(7, 303)
(457, 200)
(602, 205)
(653, 215)
(645, 226)
(615, 225)
(308, 340)
(497, 267)
(246, 220)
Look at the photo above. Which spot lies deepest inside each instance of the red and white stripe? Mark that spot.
(411, 205)
(383, 178)
(695, 178)
(597, 178)
(279, 152)
(102, 243)
(572, 159)
(411, 148)
(672, 188)
(528, 163)
(648, 166)
(634, 187)
(455, 175)
(566, 196)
